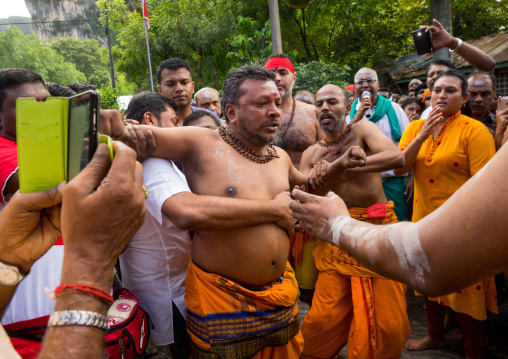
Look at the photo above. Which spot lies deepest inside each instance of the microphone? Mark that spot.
(368, 112)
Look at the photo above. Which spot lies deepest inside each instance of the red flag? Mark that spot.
(145, 14)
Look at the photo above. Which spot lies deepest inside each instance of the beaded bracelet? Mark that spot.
(94, 291)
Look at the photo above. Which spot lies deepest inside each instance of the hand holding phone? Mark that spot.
(423, 41)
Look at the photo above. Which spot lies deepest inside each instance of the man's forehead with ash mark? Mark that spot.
(271, 85)
(365, 73)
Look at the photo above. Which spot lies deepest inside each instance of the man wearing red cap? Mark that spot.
(299, 127)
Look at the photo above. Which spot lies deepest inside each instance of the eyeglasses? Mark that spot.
(368, 81)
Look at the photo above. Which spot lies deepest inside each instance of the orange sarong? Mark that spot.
(354, 305)
(228, 320)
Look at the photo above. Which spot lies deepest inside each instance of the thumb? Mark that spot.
(300, 195)
(331, 194)
(32, 202)
(93, 174)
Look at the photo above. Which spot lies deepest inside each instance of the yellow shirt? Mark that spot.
(461, 149)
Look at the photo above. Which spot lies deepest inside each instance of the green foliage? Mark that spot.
(22, 22)
(109, 98)
(473, 19)
(315, 74)
(29, 52)
(86, 55)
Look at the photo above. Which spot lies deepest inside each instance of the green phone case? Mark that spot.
(42, 142)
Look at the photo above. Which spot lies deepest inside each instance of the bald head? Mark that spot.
(413, 83)
(328, 89)
(209, 99)
(365, 72)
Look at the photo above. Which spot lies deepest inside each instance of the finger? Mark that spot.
(140, 136)
(498, 103)
(151, 142)
(93, 174)
(32, 202)
(123, 166)
(331, 194)
(301, 196)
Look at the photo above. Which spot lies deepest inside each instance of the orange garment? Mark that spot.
(228, 320)
(296, 244)
(301, 246)
(355, 306)
(461, 149)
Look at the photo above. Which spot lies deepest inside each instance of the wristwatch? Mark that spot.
(10, 275)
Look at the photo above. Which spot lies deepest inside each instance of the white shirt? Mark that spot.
(155, 262)
(426, 113)
(384, 125)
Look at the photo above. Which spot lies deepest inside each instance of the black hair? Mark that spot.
(284, 56)
(386, 89)
(196, 115)
(172, 64)
(231, 92)
(147, 101)
(446, 63)
(453, 73)
(489, 74)
(421, 86)
(59, 90)
(16, 76)
(80, 87)
(408, 101)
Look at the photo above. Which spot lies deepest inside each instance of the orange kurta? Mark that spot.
(354, 305)
(227, 320)
(461, 149)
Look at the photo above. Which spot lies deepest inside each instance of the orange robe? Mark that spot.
(228, 320)
(354, 305)
(301, 246)
(461, 149)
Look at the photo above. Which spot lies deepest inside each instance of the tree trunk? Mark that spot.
(442, 12)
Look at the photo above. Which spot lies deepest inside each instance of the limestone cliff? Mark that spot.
(52, 19)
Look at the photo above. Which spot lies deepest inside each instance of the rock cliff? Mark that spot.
(52, 19)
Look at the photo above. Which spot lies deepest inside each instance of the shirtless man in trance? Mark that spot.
(240, 276)
(299, 127)
(352, 304)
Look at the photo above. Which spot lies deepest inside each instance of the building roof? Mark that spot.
(411, 66)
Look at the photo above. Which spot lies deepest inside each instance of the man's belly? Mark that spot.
(254, 255)
(361, 190)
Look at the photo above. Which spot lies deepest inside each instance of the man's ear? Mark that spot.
(231, 112)
(149, 119)
(348, 108)
(159, 88)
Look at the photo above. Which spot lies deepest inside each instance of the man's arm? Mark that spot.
(386, 156)
(11, 186)
(442, 38)
(209, 213)
(502, 123)
(446, 251)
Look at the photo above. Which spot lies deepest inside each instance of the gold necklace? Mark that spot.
(246, 152)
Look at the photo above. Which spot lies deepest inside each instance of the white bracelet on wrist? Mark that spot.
(459, 44)
(78, 317)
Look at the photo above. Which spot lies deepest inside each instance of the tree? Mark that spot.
(314, 75)
(86, 55)
(28, 51)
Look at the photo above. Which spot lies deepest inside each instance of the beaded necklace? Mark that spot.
(246, 152)
(327, 144)
(281, 135)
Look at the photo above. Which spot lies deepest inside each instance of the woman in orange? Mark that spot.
(445, 151)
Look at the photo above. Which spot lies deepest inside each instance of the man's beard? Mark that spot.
(255, 138)
(336, 124)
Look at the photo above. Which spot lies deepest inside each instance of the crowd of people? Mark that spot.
(221, 209)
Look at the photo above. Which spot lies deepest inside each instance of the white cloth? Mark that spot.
(426, 113)
(6, 349)
(30, 301)
(155, 262)
(384, 125)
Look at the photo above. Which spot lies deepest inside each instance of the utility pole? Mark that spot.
(442, 12)
(111, 66)
(275, 26)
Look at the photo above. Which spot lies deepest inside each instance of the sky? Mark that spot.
(13, 8)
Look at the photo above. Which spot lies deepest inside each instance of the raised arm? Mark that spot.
(446, 251)
(476, 57)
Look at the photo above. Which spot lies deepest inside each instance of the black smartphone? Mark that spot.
(423, 41)
(84, 117)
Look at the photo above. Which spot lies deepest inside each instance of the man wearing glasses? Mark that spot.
(391, 119)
